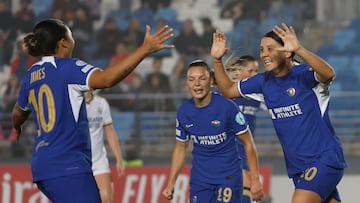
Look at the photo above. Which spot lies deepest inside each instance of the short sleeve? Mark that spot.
(23, 98)
(252, 87)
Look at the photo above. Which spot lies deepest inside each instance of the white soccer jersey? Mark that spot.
(98, 113)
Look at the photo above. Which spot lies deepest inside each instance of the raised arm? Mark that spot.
(324, 72)
(227, 87)
(117, 72)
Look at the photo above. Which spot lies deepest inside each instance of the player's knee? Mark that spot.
(301, 195)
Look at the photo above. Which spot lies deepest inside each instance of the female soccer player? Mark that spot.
(239, 68)
(53, 91)
(212, 122)
(100, 124)
(297, 97)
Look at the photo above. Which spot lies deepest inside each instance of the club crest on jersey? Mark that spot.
(291, 91)
(215, 123)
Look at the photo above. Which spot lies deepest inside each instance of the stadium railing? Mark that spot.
(153, 132)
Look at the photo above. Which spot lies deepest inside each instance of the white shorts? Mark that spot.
(100, 165)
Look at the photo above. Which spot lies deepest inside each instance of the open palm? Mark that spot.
(288, 36)
(218, 48)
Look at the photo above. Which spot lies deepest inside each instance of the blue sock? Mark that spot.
(246, 198)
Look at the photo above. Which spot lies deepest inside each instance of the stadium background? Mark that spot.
(327, 27)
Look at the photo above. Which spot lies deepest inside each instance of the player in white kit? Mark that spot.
(100, 123)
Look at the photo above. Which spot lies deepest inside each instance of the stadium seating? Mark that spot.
(144, 15)
(343, 38)
(355, 23)
(344, 122)
(123, 123)
(155, 125)
(119, 13)
(242, 36)
(101, 62)
(167, 13)
(267, 25)
(355, 65)
(327, 50)
(121, 16)
(338, 62)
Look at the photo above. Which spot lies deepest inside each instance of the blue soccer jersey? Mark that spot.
(53, 91)
(248, 107)
(298, 105)
(213, 129)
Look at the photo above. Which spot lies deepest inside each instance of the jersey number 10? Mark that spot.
(37, 101)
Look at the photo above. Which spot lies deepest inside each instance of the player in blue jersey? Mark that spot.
(52, 91)
(297, 97)
(212, 122)
(239, 68)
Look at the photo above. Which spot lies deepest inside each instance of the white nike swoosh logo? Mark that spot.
(189, 125)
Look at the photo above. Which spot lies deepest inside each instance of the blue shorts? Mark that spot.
(230, 191)
(321, 179)
(71, 189)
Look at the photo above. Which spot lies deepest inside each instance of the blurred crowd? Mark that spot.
(103, 39)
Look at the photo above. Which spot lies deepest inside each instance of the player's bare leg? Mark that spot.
(104, 183)
(305, 196)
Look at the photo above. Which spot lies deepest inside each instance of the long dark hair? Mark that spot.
(44, 37)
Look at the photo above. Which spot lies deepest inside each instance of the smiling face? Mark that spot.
(274, 61)
(198, 81)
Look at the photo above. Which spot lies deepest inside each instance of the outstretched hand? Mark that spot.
(218, 48)
(156, 41)
(288, 36)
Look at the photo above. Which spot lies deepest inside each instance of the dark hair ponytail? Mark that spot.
(45, 36)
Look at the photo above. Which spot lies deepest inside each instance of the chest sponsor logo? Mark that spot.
(286, 111)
